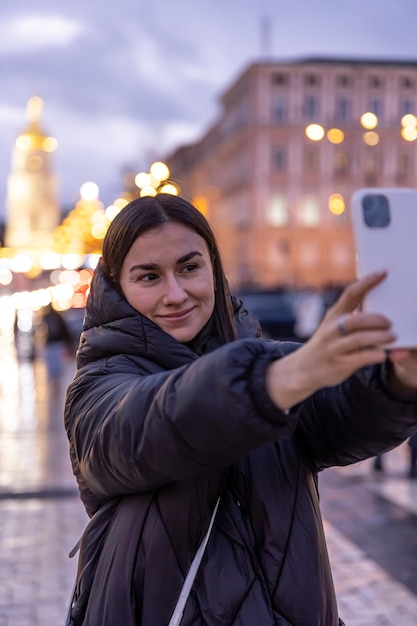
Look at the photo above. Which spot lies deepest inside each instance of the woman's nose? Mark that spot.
(175, 293)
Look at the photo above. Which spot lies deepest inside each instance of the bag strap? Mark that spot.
(192, 573)
(188, 583)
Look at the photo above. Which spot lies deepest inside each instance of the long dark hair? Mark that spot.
(143, 214)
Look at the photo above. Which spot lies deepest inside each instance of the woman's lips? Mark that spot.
(178, 316)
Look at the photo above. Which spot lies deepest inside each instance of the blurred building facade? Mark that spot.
(274, 175)
(32, 206)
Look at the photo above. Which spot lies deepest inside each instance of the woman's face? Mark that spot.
(167, 276)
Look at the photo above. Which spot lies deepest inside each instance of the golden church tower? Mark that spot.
(32, 206)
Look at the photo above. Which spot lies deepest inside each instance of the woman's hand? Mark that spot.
(346, 340)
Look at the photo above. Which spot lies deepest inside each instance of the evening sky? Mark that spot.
(126, 82)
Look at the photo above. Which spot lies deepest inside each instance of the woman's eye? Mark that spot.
(190, 267)
(147, 278)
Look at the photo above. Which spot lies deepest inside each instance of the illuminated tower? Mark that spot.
(32, 206)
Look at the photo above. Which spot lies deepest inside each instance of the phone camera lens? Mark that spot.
(376, 211)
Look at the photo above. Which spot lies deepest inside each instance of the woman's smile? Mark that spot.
(179, 315)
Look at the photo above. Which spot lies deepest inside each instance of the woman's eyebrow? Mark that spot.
(188, 256)
(153, 267)
(148, 267)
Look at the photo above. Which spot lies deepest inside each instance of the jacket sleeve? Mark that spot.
(133, 433)
(356, 420)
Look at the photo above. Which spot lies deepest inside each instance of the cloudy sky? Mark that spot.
(125, 82)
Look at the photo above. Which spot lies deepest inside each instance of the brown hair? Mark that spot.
(143, 214)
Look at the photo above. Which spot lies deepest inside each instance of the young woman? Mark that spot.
(177, 399)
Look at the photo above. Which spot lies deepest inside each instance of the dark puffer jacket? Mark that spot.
(153, 425)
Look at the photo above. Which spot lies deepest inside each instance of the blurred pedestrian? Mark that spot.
(412, 442)
(58, 344)
(379, 465)
(178, 401)
(309, 311)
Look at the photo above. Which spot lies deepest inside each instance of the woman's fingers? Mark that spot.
(347, 339)
(349, 323)
(362, 339)
(353, 295)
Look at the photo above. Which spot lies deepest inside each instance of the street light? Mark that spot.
(156, 181)
(409, 127)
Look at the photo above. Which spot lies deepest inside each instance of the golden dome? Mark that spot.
(33, 137)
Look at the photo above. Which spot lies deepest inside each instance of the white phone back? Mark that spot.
(392, 248)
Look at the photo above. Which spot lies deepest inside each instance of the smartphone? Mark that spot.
(385, 233)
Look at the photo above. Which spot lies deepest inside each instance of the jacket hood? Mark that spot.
(112, 326)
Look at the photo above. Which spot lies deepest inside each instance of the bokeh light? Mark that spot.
(159, 170)
(315, 132)
(337, 204)
(369, 120)
(370, 138)
(169, 188)
(409, 133)
(335, 135)
(408, 120)
(89, 191)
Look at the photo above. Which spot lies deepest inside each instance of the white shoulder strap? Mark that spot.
(192, 573)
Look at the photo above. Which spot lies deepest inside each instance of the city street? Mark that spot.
(370, 518)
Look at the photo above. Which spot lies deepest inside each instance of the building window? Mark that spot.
(343, 110)
(340, 163)
(376, 106)
(309, 254)
(311, 108)
(277, 210)
(240, 213)
(280, 109)
(406, 82)
(344, 81)
(311, 161)
(406, 106)
(373, 163)
(309, 211)
(279, 159)
(404, 165)
(280, 79)
(312, 80)
(375, 81)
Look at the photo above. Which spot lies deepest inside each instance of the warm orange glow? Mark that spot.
(142, 179)
(121, 203)
(34, 163)
(335, 135)
(147, 191)
(200, 203)
(370, 138)
(169, 188)
(159, 170)
(98, 231)
(409, 133)
(336, 204)
(23, 142)
(111, 211)
(408, 120)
